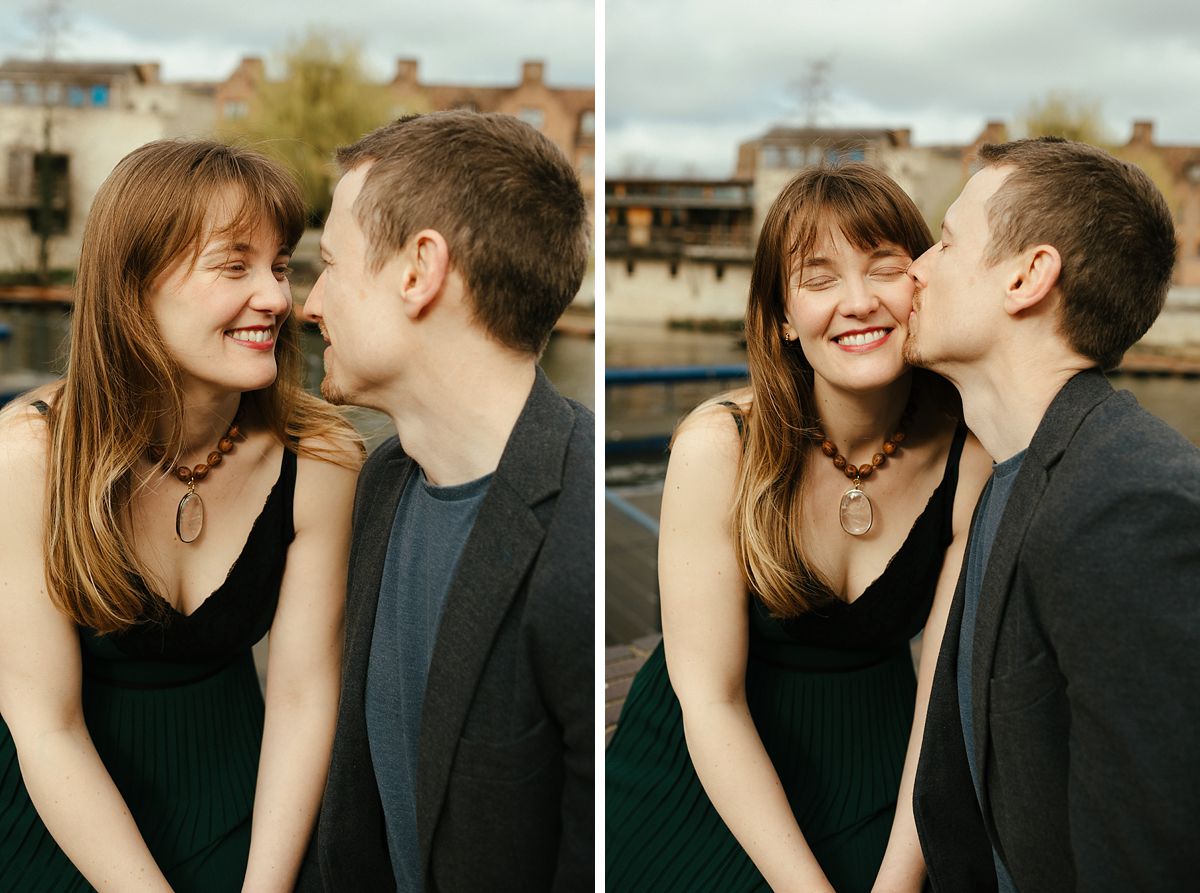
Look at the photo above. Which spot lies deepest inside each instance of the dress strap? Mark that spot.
(287, 483)
(737, 416)
(956, 448)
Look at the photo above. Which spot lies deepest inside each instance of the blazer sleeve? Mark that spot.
(1119, 579)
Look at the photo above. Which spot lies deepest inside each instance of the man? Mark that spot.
(1060, 745)
(465, 734)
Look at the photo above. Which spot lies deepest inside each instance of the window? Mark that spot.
(100, 95)
(235, 109)
(771, 156)
(55, 167)
(8, 93)
(75, 96)
(532, 116)
(54, 93)
(587, 123)
(31, 94)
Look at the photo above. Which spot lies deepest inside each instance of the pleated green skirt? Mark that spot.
(181, 742)
(835, 724)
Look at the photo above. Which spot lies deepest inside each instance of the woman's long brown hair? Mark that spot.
(869, 208)
(121, 381)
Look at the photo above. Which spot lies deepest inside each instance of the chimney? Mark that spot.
(1143, 134)
(148, 72)
(994, 132)
(406, 71)
(251, 69)
(531, 72)
(902, 138)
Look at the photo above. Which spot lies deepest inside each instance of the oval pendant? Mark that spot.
(855, 512)
(189, 517)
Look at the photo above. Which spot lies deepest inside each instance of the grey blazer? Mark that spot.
(505, 795)
(1086, 675)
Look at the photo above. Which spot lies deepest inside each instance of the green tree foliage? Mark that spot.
(1066, 115)
(323, 101)
(1076, 118)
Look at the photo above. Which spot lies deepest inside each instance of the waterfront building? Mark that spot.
(97, 112)
(78, 119)
(679, 251)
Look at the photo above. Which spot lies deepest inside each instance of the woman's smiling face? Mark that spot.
(220, 317)
(848, 308)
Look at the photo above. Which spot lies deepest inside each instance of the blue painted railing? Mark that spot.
(668, 375)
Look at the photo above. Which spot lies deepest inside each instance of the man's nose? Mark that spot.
(916, 270)
(311, 311)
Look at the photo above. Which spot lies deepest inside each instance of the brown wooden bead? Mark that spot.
(214, 459)
(225, 445)
(183, 473)
(200, 472)
(898, 437)
(878, 459)
(888, 448)
(234, 432)
(851, 471)
(864, 471)
(839, 461)
(828, 449)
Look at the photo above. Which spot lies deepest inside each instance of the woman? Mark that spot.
(167, 503)
(809, 525)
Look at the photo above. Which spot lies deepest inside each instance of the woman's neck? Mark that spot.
(859, 421)
(205, 421)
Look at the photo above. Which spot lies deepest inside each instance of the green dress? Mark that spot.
(176, 713)
(832, 695)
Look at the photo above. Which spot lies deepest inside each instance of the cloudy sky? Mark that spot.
(683, 88)
(204, 40)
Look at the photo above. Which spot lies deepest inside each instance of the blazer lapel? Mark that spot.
(1063, 417)
(373, 526)
(503, 544)
(351, 810)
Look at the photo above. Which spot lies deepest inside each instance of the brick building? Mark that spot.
(98, 112)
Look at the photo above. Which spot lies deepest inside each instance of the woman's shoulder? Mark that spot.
(718, 421)
(24, 438)
(24, 460)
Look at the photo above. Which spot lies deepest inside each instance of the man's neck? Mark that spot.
(456, 420)
(1004, 401)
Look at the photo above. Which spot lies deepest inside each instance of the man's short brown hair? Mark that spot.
(502, 195)
(1110, 225)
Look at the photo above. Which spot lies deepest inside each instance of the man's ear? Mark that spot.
(425, 264)
(1035, 274)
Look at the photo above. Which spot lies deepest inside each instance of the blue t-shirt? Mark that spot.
(983, 534)
(428, 535)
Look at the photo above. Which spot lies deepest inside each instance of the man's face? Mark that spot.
(957, 294)
(351, 305)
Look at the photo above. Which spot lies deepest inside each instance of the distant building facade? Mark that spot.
(678, 250)
(670, 255)
(94, 114)
(567, 115)
(98, 112)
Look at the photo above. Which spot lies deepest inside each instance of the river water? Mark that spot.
(642, 410)
(39, 335)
